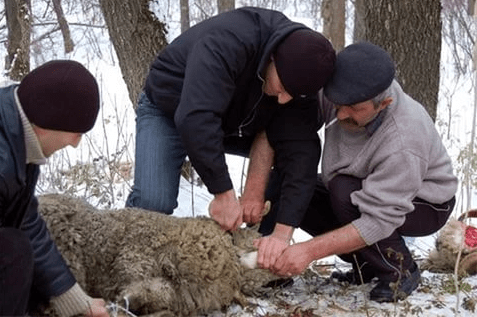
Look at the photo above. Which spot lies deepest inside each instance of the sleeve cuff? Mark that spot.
(73, 302)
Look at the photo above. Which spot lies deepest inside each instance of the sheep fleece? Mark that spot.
(162, 264)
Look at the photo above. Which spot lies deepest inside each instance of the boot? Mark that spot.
(386, 291)
(352, 277)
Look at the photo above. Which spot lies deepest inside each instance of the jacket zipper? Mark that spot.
(252, 113)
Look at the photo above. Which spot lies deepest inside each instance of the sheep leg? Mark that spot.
(152, 295)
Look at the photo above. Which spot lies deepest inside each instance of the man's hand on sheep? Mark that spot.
(254, 210)
(293, 261)
(272, 246)
(226, 210)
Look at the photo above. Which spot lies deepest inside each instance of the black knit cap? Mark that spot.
(304, 60)
(60, 95)
(362, 71)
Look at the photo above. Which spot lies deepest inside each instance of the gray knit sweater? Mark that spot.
(403, 159)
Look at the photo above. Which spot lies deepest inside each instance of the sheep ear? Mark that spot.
(266, 208)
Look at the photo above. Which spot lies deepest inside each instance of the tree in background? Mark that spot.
(333, 13)
(225, 5)
(17, 61)
(185, 18)
(461, 27)
(137, 36)
(64, 27)
(411, 32)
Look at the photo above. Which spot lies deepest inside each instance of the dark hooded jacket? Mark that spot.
(210, 80)
(18, 204)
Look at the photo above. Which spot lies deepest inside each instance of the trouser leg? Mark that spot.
(16, 272)
(159, 158)
(390, 257)
(331, 208)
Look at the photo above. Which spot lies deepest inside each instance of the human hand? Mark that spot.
(226, 210)
(292, 261)
(269, 249)
(97, 308)
(254, 210)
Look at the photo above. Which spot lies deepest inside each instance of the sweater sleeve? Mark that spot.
(73, 302)
(387, 194)
(51, 274)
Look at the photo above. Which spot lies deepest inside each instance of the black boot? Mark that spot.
(356, 276)
(352, 277)
(386, 291)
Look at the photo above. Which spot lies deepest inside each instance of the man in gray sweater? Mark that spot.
(385, 175)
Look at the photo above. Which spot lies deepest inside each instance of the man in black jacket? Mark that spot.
(50, 109)
(244, 76)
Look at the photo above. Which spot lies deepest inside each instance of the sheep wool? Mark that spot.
(454, 238)
(158, 264)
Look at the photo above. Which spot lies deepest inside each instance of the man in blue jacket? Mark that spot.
(244, 76)
(51, 108)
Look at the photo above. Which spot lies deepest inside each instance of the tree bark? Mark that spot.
(359, 14)
(137, 36)
(17, 61)
(65, 29)
(411, 32)
(333, 14)
(225, 5)
(185, 15)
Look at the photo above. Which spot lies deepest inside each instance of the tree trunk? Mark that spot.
(359, 14)
(333, 14)
(225, 5)
(137, 37)
(65, 29)
(17, 63)
(411, 32)
(185, 16)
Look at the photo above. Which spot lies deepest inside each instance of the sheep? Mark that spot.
(453, 238)
(161, 264)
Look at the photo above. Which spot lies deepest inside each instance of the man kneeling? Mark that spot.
(385, 175)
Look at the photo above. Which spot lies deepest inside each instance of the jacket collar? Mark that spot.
(34, 153)
(374, 124)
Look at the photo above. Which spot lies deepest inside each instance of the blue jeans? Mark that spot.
(159, 158)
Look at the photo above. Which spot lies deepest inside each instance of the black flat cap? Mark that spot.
(362, 71)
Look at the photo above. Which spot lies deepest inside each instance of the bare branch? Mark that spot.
(65, 30)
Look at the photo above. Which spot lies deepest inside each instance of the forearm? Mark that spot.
(339, 241)
(261, 161)
(283, 232)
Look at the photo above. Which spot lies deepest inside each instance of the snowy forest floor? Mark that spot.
(314, 294)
